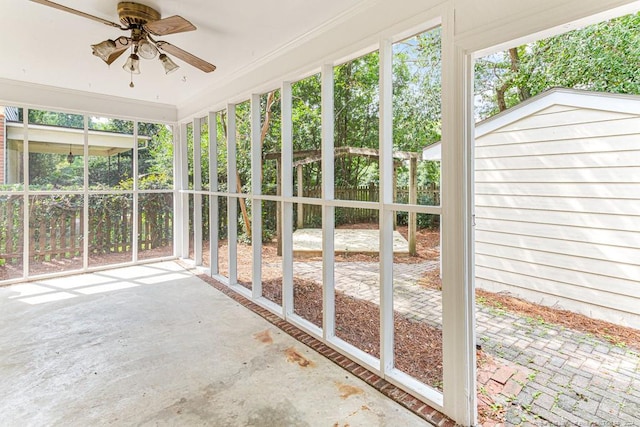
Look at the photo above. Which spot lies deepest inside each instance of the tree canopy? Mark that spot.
(603, 57)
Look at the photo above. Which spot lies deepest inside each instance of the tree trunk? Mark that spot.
(523, 91)
(243, 207)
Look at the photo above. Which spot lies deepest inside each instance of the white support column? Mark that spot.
(85, 225)
(256, 190)
(183, 173)
(177, 198)
(459, 366)
(328, 212)
(25, 194)
(386, 198)
(287, 192)
(136, 213)
(197, 186)
(232, 202)
(213, 200)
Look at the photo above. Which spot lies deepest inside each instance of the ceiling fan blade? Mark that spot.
(171, 25)
(186, 56)
(77, 12)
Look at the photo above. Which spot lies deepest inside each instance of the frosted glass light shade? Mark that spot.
(147, 50)
(104, 49)
(168, 64)
(132, 65)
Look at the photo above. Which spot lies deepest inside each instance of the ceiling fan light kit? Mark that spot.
(147, 50)
(132, 65)
(104, 49)
(142, 21)
(169, 65)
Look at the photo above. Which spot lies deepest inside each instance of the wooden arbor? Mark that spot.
(305, 157)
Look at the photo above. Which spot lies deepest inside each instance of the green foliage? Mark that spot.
(109, 171)
(306, 120)
(355, 115)
(40, 117)
(156, 157)
(243, 144)
(423, 220)
(53, 171)
(602, 57)
(417, 81)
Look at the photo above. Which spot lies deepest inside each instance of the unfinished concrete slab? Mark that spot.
(154, 345)
(308, 242)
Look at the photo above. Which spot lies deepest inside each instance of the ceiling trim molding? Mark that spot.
(529, 25)
(25, 94)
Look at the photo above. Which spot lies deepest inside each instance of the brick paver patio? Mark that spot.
(551, 375)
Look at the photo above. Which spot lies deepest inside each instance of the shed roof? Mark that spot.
(570, 98)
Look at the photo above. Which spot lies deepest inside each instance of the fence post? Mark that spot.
(413, 199)
(300, 222)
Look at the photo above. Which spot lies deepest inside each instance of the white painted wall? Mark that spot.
(557, 204)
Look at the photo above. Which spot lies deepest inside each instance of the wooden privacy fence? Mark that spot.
(427, 195)
(11, 228)
(56, 225)
(155, 220)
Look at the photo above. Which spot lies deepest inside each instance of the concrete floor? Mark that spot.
(154, 345)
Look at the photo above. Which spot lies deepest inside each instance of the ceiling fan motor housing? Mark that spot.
(135, 14)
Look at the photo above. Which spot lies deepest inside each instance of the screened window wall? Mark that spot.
(317, 205)
(81, 192)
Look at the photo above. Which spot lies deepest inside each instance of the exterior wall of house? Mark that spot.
(557, 211)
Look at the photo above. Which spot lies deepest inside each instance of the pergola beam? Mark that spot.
(312, 156)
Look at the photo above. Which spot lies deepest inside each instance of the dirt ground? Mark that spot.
(615, 334)
(14, 271)
(418, 347)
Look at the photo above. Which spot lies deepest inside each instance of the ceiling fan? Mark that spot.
(143, 22)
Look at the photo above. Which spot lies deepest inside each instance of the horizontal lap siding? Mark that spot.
(572, 266)
(626, 207)
(561, 189)
(558, 210)
(628, 126)
(556, 271)
(581, 217)
(602, 144)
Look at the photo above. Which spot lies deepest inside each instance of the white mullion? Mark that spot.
(85, 225)
(197, 186)
(328, 212)
(256, 204)
(177, 197)
(25, 194)
(184, 196)
(458, 335)
(213, 186)
(232, 201)
(386, 214)
(136, 213)
(287, 192)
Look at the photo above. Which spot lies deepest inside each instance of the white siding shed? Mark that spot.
(557, 196)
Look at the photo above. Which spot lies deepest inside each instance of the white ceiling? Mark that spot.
(46, 46)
